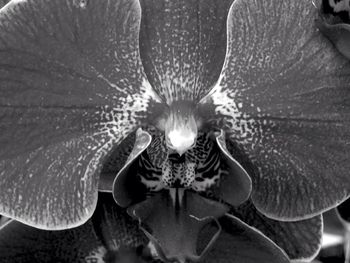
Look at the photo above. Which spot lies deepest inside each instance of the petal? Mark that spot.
(72, 87)
(110, 230)
(301, 240)
(174, 224)
(183, 46)
(242, 243)
(115, 162)
(126, 187)
(235, 188)
(53, 187)
(284, 93)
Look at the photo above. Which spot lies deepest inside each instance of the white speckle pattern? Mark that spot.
(183, 46)
(72, 87)
(198, 169)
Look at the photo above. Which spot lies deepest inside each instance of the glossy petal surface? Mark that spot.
(301, 240)
(109, 230)
(72, 86)
(183, 46)
(242, 243)
(285, 93)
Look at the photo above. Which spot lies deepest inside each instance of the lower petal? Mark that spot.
(301, 240)
(173, 223)
(242, 243)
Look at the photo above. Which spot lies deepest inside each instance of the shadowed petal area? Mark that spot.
(242, 243)
(236, 187)
(173, 221)
(333, 22)
(339, 34)
(344, 212)
(183, 46)
(20, 243)
(111, 236)
(72, 87)
(301, 240)
(284, 93)
(110, 232)
(126, 188)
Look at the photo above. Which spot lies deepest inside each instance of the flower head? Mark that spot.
(248, 92)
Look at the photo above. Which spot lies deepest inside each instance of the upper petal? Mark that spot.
(284, 92)
(72, 87)
(183, 46)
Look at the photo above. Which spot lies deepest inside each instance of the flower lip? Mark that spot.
(173, 221)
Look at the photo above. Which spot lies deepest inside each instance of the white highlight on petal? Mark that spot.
(329, 240)
(182, 139)
(181, 131)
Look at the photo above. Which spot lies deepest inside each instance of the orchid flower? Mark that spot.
(229, 103)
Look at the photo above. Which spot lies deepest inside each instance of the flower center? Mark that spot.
(181, 128)
(182, 138)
